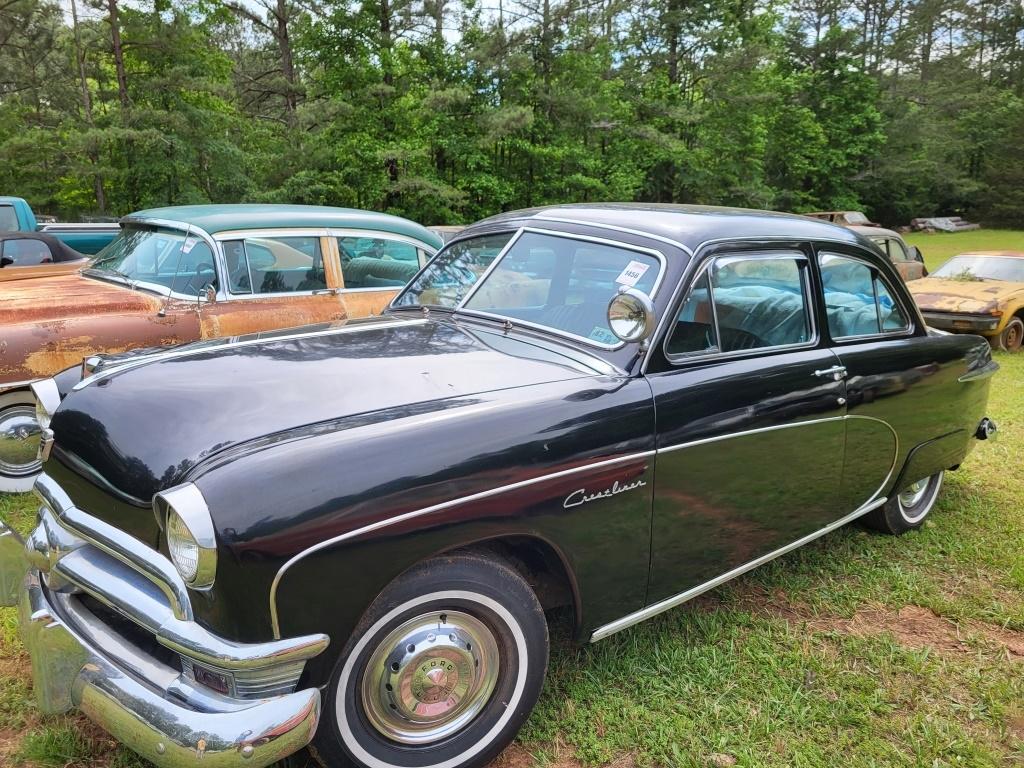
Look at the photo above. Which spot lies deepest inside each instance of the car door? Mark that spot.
(374, 266)
(871, 328)
(274, 279)
(750, 405)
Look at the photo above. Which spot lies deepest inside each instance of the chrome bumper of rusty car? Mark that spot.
(962, 322)
(135, 675)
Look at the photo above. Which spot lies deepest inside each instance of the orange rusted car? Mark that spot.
(182, 274)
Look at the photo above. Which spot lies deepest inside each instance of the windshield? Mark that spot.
(165, 260)
(555, 282)
(968, 267)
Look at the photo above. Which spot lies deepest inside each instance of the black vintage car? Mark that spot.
(349, 535)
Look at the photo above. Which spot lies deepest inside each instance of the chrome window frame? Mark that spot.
(716, 353)
(877, 274)
(461, 308)
(425, 253)
(245, 234)
(189, 230)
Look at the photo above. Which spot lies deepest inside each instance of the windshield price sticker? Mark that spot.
(632, 273)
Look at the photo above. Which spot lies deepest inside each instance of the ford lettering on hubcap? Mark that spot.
(430, 677)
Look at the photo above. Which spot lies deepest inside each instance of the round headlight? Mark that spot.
(183, 547)
(191, 540)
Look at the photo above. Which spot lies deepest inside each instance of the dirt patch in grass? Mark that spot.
(517, 756)
(912, 625)
(916, 627)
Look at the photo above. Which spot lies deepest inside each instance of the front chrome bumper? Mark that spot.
(68, 671)
(110, 630)
(961, 322)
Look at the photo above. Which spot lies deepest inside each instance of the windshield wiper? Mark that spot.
(110, 271)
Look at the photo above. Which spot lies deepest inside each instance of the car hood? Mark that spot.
(145, 426)
(940, 295)
(57, 297)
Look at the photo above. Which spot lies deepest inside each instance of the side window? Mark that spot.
(274, 265)
(896, 250)
(8, 219)
(376, 262)
(744, 302)
(857, 300)
(27, 252)
(695, 324)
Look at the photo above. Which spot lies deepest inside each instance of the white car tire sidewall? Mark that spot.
(348, 673)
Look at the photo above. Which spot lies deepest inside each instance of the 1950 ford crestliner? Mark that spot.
(348, 536)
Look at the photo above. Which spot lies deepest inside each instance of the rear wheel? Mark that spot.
(1012, 337)
(440, 673)
(19, 441)
(908, 509)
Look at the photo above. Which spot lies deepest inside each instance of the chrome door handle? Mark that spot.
(836, 372)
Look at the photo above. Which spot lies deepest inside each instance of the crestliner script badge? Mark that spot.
(581, 496)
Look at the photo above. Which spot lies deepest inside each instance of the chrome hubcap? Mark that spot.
(19, 441)
(430, 677)
(913, 494)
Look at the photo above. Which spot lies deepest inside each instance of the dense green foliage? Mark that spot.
(450, 110)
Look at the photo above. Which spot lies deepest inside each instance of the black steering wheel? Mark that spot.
(204, 270)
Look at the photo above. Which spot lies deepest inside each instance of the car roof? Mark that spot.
(687, 225)
(1011, 254)
(213, 219)
(869, 231)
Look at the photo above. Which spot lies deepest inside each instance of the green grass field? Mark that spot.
(940, 246)
(859, 649)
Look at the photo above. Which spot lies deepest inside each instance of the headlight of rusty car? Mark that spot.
(191, 540)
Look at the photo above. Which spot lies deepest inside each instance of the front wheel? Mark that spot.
(441, 672)
(1012, 337)
(908, 509)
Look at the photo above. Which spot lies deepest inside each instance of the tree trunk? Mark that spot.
(284, 44)
(91, 153)
(115, 40)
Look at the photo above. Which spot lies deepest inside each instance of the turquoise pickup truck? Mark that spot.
(16, 216)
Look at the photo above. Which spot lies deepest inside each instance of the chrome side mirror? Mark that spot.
(631, 315)
(209, 293)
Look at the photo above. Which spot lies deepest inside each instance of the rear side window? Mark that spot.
(8, 219)
(376, 262)
(739, 303)
(27, 252)
(274, 265)
(857, 299)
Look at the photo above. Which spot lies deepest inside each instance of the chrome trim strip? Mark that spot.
(6, 387)
(428, 510)
(274, 618)
(986, 371)
(671, 602)
(270, 339)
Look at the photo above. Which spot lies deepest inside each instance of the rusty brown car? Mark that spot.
(188, 273)
(907, 259)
